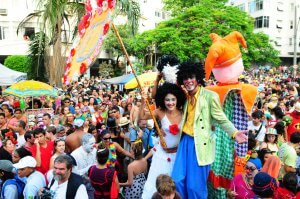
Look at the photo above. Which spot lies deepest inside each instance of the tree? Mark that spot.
(37, 51)
(54, 17)
(177, 6)
(187, 35)
(17, 62)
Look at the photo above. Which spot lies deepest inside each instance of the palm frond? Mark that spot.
(27, 18)
(131, 8)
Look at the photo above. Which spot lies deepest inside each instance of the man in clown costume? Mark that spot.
(196, 150)
(224, 60)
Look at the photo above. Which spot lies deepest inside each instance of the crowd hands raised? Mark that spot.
(101, 142)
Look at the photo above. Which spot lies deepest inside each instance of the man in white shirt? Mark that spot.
(256, 126)
(85, 157)
(65, 184)
(35, 179)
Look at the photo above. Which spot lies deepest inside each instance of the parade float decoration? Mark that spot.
(224, 60)
(92, 30)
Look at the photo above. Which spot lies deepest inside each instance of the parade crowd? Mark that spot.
(101, 142)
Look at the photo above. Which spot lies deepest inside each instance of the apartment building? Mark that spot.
(12, 12)
(280, 20)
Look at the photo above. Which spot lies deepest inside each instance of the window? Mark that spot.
(64, 36)
(266, 22)
(291, 24)
(292, 7)
(259, 4)
(29, 32)
(157, 14)
(241, 7)
(255, 5)
(163, 15)
(261, 22)
(3, 32)
(290, 41)
(3, 12)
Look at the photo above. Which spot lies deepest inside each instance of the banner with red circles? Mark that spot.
(92, 30)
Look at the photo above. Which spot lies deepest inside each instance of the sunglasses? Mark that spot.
(106, 138)
(59, 139)
(67, 102)
(250, 168)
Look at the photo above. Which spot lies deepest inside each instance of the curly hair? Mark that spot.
(166, 59)
(191, 69)
(169, 88)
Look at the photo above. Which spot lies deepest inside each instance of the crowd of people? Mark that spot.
(101, 142)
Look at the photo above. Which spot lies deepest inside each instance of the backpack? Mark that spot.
(15, 181)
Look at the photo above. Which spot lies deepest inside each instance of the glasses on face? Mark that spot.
(67, 102)
(105, 139)
(250, 168)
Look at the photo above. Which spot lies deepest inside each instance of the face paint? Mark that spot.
(170, 102)
(88, 146)
(190, 84)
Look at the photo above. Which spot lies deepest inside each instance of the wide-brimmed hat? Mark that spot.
(123, 121)
(27, 161)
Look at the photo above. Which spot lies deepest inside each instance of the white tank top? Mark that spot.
(171, 140)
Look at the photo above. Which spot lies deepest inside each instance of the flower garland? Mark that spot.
(112, 159)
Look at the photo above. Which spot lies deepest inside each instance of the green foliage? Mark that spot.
(187, 35)
(17, 62)
(177, 6)
(112, 44)
(37, 50)
(106, 70)
(131, 9)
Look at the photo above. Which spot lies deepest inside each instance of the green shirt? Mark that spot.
(288, 157)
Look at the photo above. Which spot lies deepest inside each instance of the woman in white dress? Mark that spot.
(169, 100)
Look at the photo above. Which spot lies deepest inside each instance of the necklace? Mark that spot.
(248, 184)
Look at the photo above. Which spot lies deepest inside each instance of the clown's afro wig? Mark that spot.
(191, 69)
(169, 88)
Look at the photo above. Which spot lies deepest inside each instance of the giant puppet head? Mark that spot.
(224, 57)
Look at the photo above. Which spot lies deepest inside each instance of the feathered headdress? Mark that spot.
(168, 65)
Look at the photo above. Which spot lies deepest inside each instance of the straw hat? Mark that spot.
(123, 121)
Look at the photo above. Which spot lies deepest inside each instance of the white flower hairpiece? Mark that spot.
(170, 73)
